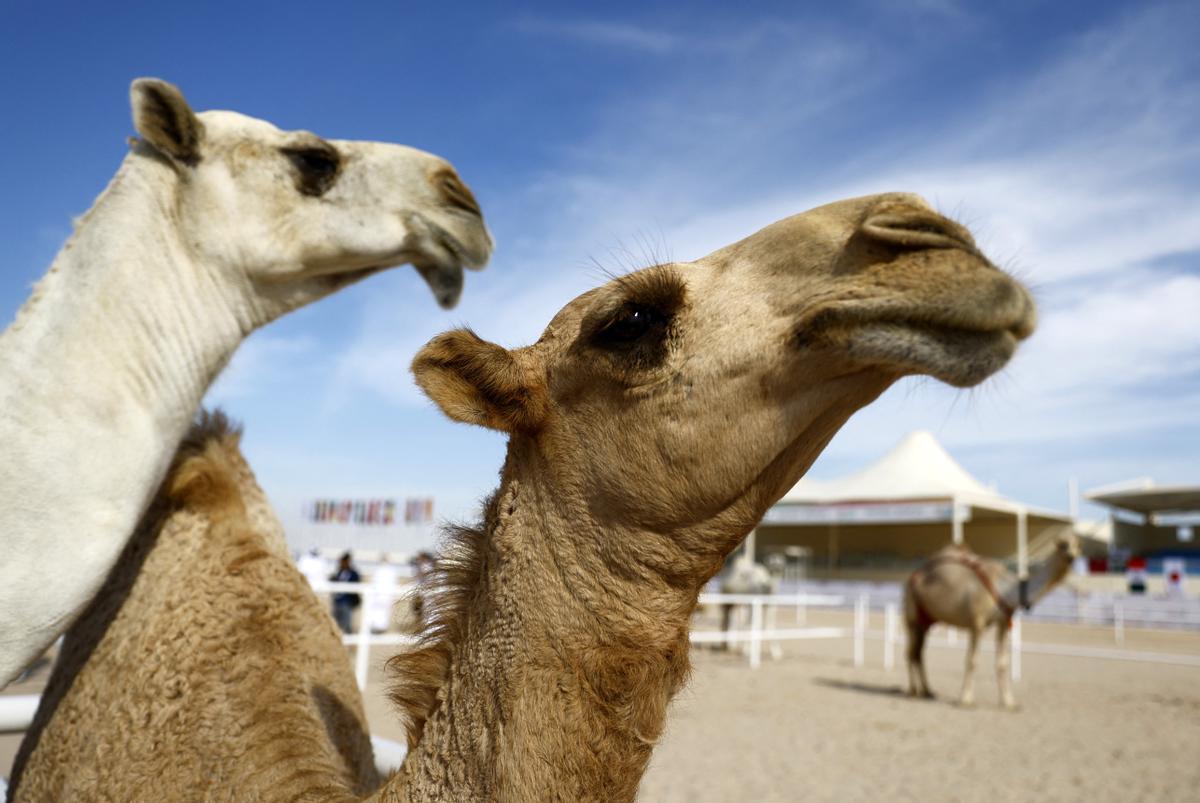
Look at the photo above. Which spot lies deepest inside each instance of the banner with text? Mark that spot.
(370, 512)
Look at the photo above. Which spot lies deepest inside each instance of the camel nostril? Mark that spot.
(456, 193)
(909, 227)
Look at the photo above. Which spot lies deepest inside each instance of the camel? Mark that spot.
(557, 630)
(963, 590)
(215, 224)
(746, 576)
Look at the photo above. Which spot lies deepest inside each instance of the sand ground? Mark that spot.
(811, 726)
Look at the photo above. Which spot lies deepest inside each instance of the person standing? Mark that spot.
(344, 603)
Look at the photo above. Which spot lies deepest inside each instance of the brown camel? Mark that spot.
(559, 629)
(961, 589)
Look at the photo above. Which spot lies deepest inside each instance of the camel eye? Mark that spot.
(316, 168)
(631, 325)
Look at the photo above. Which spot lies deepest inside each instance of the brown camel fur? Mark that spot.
(558, 630)
(961, 589)
(206, 669)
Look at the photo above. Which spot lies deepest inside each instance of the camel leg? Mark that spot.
(726, 615)
(1003, 659)
(776, 649)
(918, 684)
(968, 688)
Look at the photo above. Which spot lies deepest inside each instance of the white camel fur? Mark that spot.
(215, 224)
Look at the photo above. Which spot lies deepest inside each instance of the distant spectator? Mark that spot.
(344, 603)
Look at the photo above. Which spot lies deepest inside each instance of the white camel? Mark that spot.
(746, 576)
(215, 224)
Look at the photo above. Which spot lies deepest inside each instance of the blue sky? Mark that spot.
(607, 137)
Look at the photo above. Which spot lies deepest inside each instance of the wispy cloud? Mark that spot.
(256, 363)
(1079, 174)
(607, 34)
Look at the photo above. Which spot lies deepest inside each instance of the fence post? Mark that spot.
(735, 623)
(362, 649)
(756, 625)
(1119, 622)
(1015, 647)
(890, 615)
(860, 625)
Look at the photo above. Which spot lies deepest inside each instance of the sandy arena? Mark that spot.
(810, 726)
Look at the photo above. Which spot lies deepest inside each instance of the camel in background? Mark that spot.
(961, 589)
(558, 630)
(746, 576)
(215, 224)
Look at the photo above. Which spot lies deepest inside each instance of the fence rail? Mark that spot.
(16, 711)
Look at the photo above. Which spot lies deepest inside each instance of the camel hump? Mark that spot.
(208, 469)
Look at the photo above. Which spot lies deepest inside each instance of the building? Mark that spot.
(1152, 521)
(882, 521)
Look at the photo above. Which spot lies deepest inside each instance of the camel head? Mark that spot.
(680, 401)
(1068, 546)
(296, 217)
(1066, 550)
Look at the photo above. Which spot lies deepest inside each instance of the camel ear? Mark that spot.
(163, 118)
(478, 382)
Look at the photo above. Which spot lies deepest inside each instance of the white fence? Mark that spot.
(1117, 611)
(761, 630)
(16, 711)
(762, 623)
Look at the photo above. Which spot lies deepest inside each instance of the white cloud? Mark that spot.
(598, 32)
(258, 361)
(1081, 175)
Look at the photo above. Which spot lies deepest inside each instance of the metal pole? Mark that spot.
(890, 615)
(1023, 544)
(756, 623)
(860, 626)
(362, 649)
(956, 522)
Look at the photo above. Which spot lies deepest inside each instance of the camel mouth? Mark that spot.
(958, 356)
(445, 280)
(961, 347)
(440, 262)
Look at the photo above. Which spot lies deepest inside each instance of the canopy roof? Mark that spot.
(916, 468)
(1151, 498)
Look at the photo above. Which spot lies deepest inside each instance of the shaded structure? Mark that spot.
(1152, 521)
(900, 509)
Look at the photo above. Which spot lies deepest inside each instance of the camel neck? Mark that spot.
(1043, 576)
(100, 375)
(558, 687)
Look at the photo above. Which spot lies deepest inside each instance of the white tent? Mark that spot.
(904, 505)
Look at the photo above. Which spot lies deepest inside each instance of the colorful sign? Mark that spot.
(1175, 574)
(418, 511)
(1135, 575)
(369, 512)
(378, 512)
